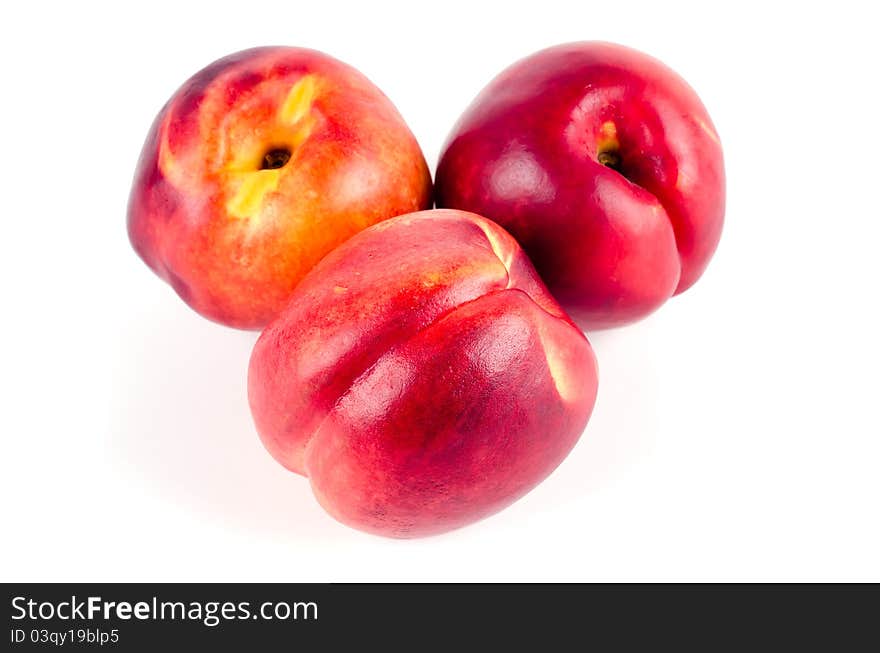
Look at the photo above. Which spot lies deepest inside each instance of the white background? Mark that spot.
(735, 436)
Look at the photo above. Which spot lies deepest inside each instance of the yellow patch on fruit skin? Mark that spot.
(175, 173)
(607, 141)
(558, 368)
(340, 290)
(299, 101)
(682, 181)
(608, 129)
(431, 279)
(709, 131)
(253, 189)
(504, 254)
(293, 124)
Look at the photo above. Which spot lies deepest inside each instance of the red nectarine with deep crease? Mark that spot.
(604, 165)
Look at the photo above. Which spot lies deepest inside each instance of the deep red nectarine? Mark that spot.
(422, 376)
(604, 165)
(257, 167)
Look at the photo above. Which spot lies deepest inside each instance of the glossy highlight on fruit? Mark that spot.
(258, 166)
(421, 376)
(604, 165)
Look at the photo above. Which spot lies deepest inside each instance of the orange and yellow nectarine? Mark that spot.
(257, 167)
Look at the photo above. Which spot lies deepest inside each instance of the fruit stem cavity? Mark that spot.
(610, 159)
(275, 158)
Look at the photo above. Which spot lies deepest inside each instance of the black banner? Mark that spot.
(132, 617)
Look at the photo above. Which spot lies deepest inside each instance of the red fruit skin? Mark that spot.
(611, 245)
(422, 376)
(232, 239)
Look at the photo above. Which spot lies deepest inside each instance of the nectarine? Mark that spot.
(604, 165)
(257, 167)
(421, 376)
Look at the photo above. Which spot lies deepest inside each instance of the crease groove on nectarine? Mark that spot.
(440, 386)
